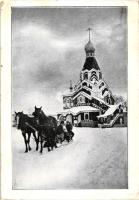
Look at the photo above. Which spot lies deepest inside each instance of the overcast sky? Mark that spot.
(48, 52)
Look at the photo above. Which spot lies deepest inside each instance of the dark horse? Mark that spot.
(47, 129)
(27, 125)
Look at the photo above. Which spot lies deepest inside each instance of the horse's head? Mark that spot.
(19, 119)
(37, 114)
(37, 111)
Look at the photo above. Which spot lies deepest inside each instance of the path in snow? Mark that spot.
(97, 158)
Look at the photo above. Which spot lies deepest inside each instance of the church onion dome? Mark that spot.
(89, 47)
(90, 63)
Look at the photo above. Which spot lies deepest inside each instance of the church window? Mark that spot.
(84, 84)
(93, 72)
(109, 100)
(85, 75)
(93, 76)
(103, 91)
(82, 116)
(102, 84)
(100, 75)
(86, 116)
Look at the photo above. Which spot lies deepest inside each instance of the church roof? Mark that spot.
(90, 63)
(89, 47)
(79, 109)
(110, 111)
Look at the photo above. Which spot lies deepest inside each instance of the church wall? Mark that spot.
(89, 124)
(88, 119)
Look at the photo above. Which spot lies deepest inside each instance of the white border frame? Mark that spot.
(133, 105)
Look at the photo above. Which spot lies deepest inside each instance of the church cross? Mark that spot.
(89, 30)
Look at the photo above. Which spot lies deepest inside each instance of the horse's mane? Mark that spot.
(48, 119)
(47, 116)
(43, 114)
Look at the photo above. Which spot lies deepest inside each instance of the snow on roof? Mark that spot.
(78, 109)
(110, 111)
(102, 101)
(92, 96)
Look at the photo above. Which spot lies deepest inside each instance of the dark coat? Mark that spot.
(69, 127)
(60, 129)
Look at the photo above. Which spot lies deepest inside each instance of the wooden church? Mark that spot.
(90, 102)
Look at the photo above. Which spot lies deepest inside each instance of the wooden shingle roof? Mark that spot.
(90, 63)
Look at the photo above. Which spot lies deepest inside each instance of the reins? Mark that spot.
(30, 126)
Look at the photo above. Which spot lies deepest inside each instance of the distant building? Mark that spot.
(91, 98)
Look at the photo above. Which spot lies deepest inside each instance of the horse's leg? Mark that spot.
(37, 143)
(55, 142)
(41, 150)
(29, 134)
(36, 139)
(41, 141)
(25, 140)
(52, 144)
(61, 139)
(49, 144)
(49, 149)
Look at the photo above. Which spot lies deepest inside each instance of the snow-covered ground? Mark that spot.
(97, 158)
